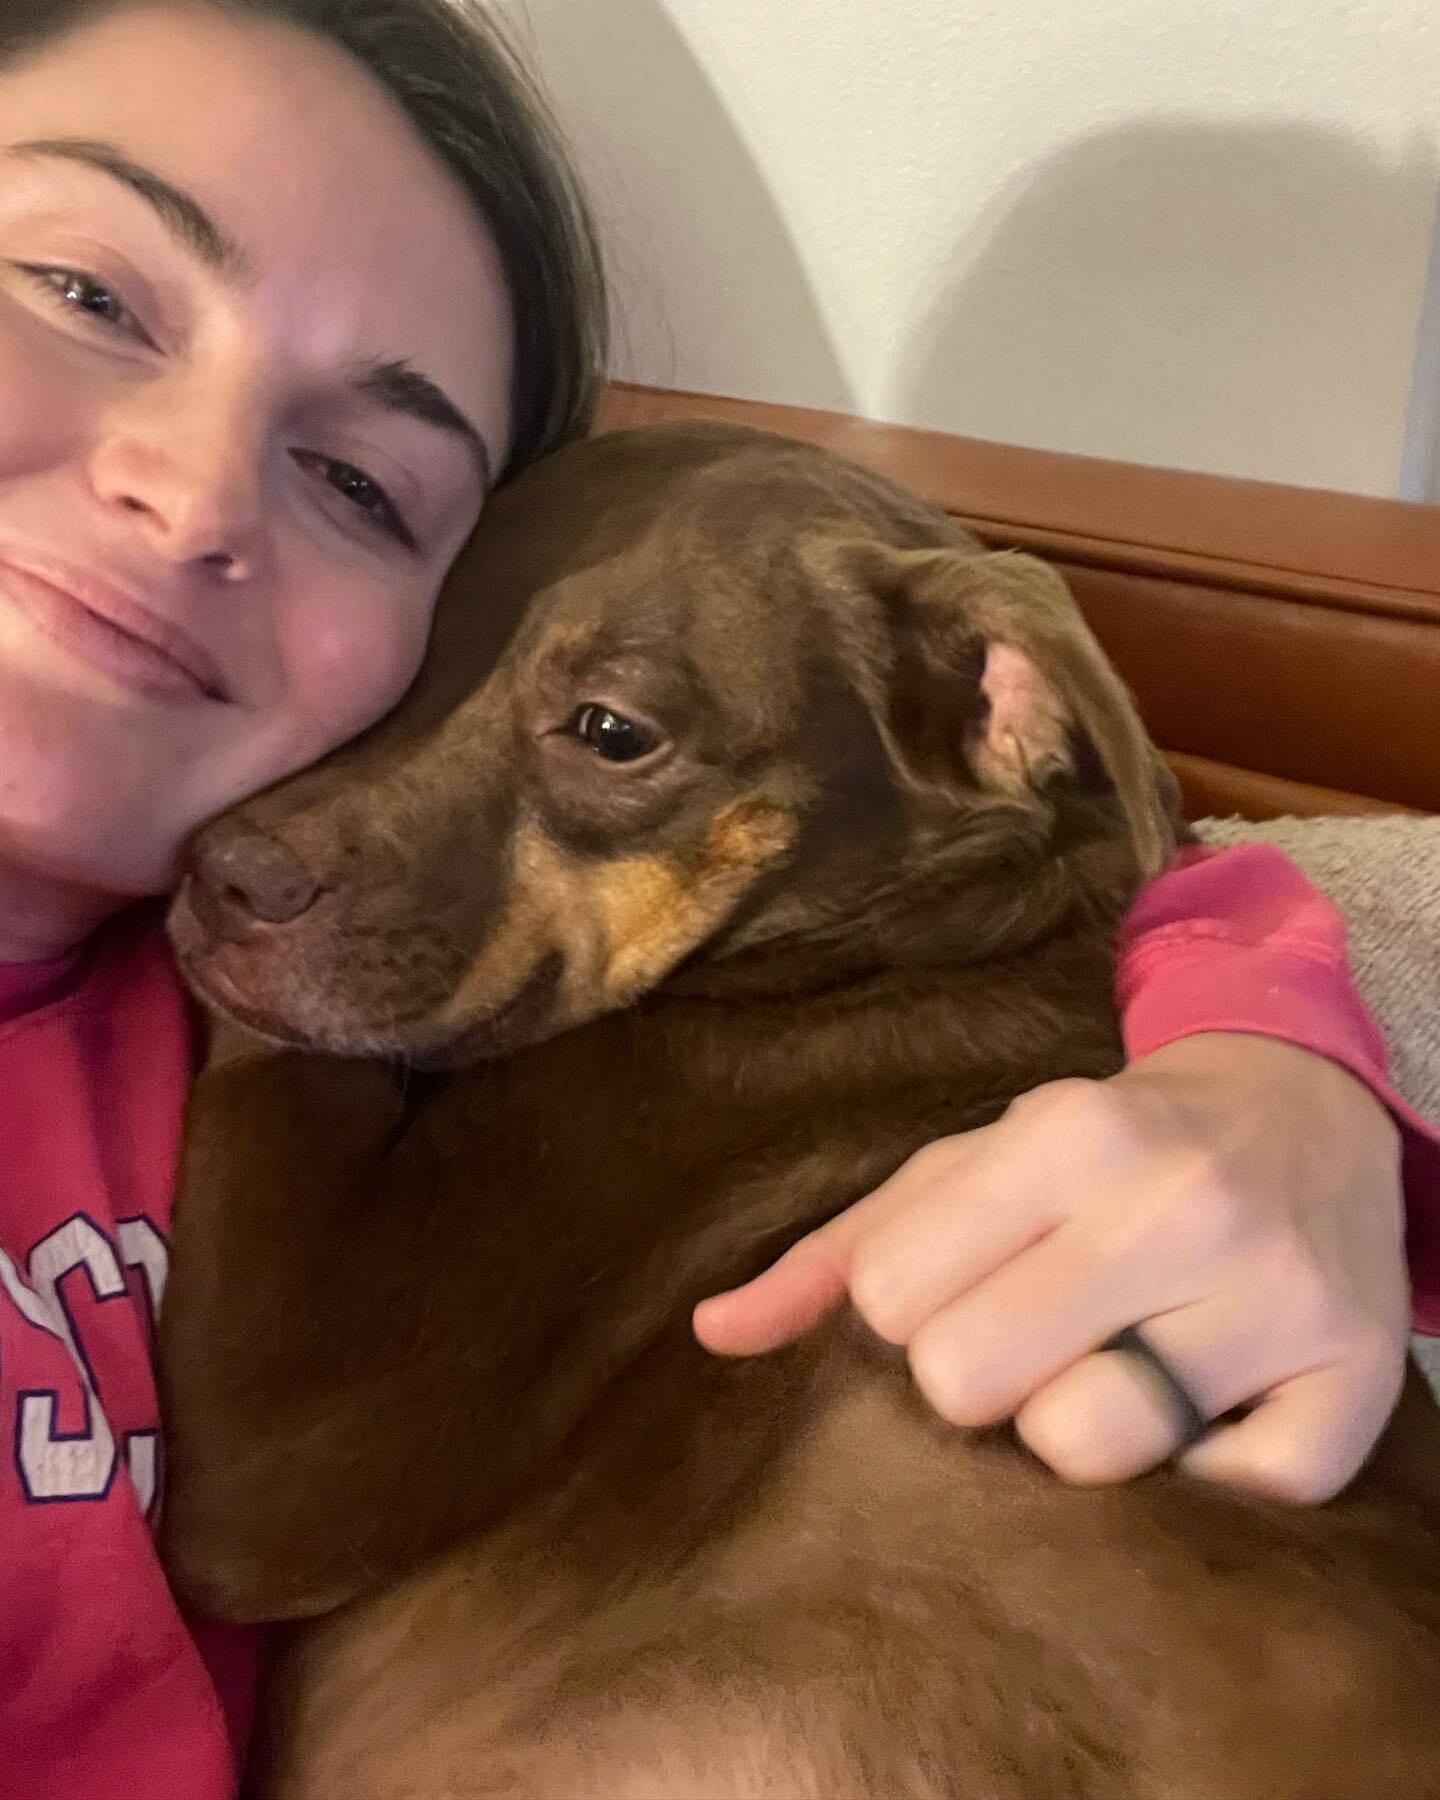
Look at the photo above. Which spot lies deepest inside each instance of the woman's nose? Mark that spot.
(186, 478)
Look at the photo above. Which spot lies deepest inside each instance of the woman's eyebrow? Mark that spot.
(394, 385)
(182, 214)
(399, 388)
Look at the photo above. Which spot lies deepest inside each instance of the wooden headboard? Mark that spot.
(1283, 643)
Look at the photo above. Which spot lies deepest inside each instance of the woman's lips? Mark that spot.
(125, 657)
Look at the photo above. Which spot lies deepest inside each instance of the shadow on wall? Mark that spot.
(1241, 300)
(696, 240)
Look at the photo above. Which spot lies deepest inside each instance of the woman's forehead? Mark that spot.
(356, 235)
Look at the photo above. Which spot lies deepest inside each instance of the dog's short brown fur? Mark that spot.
(428, 1345)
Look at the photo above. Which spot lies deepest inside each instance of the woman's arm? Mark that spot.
(1239, 941)
(1232, 1191)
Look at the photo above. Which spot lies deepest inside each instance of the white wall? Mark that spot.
(1188, 232)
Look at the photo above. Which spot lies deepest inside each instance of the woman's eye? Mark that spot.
(612, 735)
(74, 291)
(362, 491)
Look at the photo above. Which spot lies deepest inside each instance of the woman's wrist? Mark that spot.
(1228, 1084)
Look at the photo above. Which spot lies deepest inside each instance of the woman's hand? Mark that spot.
(1237, 1197)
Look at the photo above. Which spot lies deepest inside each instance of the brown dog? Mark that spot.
(748, 829)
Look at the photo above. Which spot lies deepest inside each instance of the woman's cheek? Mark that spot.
(44, 407)
(348, 666)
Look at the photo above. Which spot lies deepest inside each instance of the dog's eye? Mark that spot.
(611, 735)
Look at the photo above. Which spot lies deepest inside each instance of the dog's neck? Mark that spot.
(951, 904)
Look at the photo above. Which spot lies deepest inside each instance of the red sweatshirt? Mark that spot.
(105, 1694)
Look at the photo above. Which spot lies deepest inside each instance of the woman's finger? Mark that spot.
(1108, 1417)
(1100, 1420)
(796, 1292)
(789, 1299)
(1310, 1437)
(979, 1358)
(952, 1228)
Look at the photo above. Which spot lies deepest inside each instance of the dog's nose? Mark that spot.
(244, 874)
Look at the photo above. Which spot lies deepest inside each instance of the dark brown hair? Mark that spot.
(455, 73)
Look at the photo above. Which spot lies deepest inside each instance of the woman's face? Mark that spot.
(254, 366)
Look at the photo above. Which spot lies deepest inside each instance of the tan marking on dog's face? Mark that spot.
(655, 912)
(621, 924)
(648, 914)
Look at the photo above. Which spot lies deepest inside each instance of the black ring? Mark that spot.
(1189, 1419)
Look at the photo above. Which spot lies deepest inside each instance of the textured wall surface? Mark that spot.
(1189, 232)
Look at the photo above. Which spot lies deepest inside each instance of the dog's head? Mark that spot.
(702, 704)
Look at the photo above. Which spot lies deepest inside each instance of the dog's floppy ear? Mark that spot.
(998, 680)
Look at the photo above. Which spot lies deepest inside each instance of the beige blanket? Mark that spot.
(1384, 875)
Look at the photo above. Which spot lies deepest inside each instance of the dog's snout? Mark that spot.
(245, 875)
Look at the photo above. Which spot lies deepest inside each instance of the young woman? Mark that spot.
(286, 287)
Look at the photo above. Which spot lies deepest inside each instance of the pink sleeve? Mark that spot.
(1238, 940)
